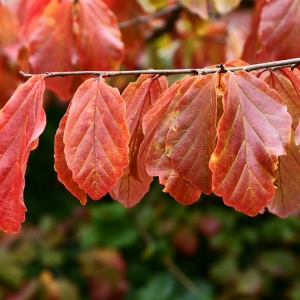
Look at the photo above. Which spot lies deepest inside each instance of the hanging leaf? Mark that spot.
(51, 45)
(22, 120)
(253, 131)
(192, 133)
(64, 174)
(98, 26)
(280, 22)
(96, 137)
(155, 126)
(139, 96)
(287, 195)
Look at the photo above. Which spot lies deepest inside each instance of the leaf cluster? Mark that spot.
(235, 134)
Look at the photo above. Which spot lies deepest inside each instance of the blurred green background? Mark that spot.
(156, 250)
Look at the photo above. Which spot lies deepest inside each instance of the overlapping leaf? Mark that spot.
(287, 195)
(64, 174)
(156, 126)
(192, 133)
(198, 7)
(96, 137)
(139, 97)
(253, 131)
(22, 120)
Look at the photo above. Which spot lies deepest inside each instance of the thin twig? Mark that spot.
(149, 17)
(268, 65)
(180, 276)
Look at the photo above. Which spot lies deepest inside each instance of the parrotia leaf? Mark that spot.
(64, 174)
(156, 125)
(22, 120)
(139, 96)
(96, 137)
(253, 131)
(192, 133)
(287, 194)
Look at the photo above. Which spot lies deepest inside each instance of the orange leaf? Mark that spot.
(64, 174)
(287, 195)
(192, 133)
(22, 120)
(253, 131)
(51, 45)
(96, 137)
(139, 96)
(99, 42)
(156, 125)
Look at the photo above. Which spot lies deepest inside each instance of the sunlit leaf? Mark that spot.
(155, 126)
(253, 131)
(192, 133)
(139, 96)
(96, 137)
(22, 120)
(64, 174)
(99, 42)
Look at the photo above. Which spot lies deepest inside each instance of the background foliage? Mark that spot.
(159, 249)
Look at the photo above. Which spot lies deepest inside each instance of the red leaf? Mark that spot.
(99, 42)
(253, 131)
(96, 137)
(192, 133)
(22, 120)
(64, 174)
(155, 126)
(139, 96)
(287, 195)
(51, 45)
(280, 22)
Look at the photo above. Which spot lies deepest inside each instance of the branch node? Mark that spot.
(222, 68)
(293, 66)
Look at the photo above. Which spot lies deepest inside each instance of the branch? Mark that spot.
(220, 68)
(147, 18)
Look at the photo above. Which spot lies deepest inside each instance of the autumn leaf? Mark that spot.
(96, 137)
(64, 174)
(253, 131)
(139, 97)
(287, 194)
(155, 126)
(51, 45)
(97, 25)
(22, 120)
(280, 26)
(192, 133)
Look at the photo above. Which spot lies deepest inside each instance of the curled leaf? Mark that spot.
(22, 120)
(253, 131)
